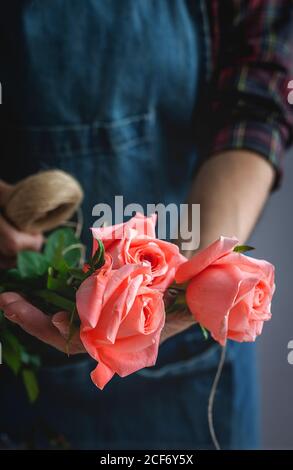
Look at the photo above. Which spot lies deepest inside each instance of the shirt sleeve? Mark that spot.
(250, 87)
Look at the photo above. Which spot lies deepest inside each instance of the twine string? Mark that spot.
(212, 396)
(43, 201)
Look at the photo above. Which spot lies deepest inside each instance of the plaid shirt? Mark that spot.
(248, 67)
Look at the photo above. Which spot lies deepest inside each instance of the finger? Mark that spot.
(176, 323)
(8, 298)
(7, 303)
(31, 320)
(12, 240)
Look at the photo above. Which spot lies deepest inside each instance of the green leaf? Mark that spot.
(30, 359)
(31, 264)
(59, 284)
(73, 254)
(11, 359)
(31, 384)
(57, 242)
(11, 340)
(11, 351)
(97, 261)
(243, 248)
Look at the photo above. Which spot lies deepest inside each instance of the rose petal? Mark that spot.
(210, 297)
(204, 258)
(101, 375)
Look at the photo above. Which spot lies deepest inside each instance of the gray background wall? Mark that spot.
(273, 239)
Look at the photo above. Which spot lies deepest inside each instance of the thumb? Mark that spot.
(61, 321)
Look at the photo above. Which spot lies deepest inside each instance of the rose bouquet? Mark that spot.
(117, 299)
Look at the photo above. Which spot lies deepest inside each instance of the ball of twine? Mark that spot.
(43, 201)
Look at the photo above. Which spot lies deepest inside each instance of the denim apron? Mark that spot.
(107, 91)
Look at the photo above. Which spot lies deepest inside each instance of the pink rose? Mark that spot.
(135, 242)
(121, 320)
(228, 293)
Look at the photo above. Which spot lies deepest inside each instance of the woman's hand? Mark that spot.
(176, 323)
(12, 240)
(55, 330)
(51, 330)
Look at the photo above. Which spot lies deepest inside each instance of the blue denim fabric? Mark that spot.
(107, 91)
